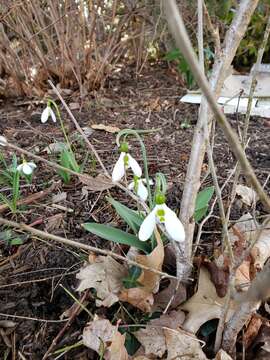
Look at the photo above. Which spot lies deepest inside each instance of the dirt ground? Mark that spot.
(33, 275)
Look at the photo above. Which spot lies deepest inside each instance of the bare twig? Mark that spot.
(79, 245)
(253, 79)
(92, 148)
(233, 38)
(214, 31)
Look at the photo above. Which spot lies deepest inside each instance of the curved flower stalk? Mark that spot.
(26, 167)
(162, 214)
(125, 162)
(127, 132)
(46, 113)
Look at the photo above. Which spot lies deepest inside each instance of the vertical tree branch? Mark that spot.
(220, 69)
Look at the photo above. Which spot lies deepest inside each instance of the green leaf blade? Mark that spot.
(133, 219)
(118, 236)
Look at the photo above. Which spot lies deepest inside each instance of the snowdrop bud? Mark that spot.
(124, 147)
(160, 198)
(3, 141)
(26, 167)
(46, 113)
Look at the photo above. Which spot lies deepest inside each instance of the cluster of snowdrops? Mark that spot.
(159, 212)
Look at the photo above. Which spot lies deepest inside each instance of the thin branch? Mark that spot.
(179, 32)
(214, 31)
(92, 148)
(78, 245)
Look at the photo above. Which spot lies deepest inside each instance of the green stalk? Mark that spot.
(61, 122)
(125, 133)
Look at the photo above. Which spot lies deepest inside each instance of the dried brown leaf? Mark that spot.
(107, 128)
(152, 337)
(219, 276)
(138, 297)
(252, 330)
(106, 277)
(242, 276)
(163, 297)
(222, 355)
(148, 279)
(101, 336)
(261, 250)
(117, 350)
(183, 346)
(204, 305)
(247, 194)
(98, 183)
(245, 226)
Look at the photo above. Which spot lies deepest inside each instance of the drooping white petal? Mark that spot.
(3, 141)
(173, 225)
(148, 226)
(142, 191)
(20, 167)
(52, 114)
(32, 165)
(119, 168)
(134, 166)
(45, 114)
(27, 169)
(151, 182)
(131, 185)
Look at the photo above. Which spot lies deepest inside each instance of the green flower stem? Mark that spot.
(125, 133)
(61, 122)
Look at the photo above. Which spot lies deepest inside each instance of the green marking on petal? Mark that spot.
(161, 219)
(126, 160)
(160, 212)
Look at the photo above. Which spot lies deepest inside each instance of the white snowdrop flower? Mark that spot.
(3, 141)
(162, 214)
(125, 162)
(46, 113)
(139, 188)
(26, 167)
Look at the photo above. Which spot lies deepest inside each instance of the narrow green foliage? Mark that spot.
(67, 160)
(15, 192)
(133, 219)
(182, 66)
(202, 203)
(11, 238)
(118, 236)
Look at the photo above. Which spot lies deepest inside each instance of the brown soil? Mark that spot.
(31, 274)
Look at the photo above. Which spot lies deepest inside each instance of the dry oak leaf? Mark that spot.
(245, 226)
(164, 296)
(142, 297)
(138, 297)
(204, 305)
(105, 275)
(183, 346)
(152, 337)
(101, 336)
(261, 250)
(248, 195)
(222, 355)
(252, 330)
(242, 276)
(148, 279)
(108, 128)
